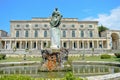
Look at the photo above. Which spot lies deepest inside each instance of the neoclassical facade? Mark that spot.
(34, 34)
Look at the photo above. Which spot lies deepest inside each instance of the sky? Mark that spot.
(107, 12)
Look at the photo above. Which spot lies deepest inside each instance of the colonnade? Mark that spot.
(41, 44)
(84, 44)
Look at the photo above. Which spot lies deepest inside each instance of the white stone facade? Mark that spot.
(75, 34)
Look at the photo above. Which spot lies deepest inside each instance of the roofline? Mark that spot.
(4, 31)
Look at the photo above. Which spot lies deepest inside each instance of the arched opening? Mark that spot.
(115, 41)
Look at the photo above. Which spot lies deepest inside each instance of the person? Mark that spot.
(56, 18)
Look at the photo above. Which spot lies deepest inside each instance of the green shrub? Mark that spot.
(105, 56)
(117, 54)
(70, 76)
(2, 56)
(15, 77)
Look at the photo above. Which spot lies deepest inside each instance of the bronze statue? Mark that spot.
(56, 18)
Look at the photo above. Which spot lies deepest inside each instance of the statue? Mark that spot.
(55, 31)
(54, 58)
(56, 18)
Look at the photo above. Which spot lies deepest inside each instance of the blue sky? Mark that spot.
(107, 12)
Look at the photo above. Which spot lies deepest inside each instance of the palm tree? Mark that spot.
(101, 29)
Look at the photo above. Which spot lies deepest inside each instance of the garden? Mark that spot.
(69, 76)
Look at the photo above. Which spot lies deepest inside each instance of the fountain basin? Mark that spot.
(97, 70)
(89, 69)
(31, 68)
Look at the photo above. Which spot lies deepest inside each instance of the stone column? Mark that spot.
(46, 43)
(68, 45)
(92, 44)
(5, 45)
(97, 44)
(10, 44)
(20, 44)
(25, 44)
(31, 45)
(83, 44)
(72, 44)
(88, 44)
(15, 43)
(78, 45)
(41, 44)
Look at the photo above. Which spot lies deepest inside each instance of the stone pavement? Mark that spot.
(115, 76)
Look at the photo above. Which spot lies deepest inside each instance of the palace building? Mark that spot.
(75, 35)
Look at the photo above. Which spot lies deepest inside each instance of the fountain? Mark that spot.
(54, 57)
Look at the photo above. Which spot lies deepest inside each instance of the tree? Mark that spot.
(101, 29)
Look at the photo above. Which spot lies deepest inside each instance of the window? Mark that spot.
(64, 33)
(64, 25)
(81, 26)
(17, 33)
(73, 25)
(90, 26)
(45, 33)
(65, 45)
(90, 44)
(73, 33)
(27, 44)
(91, 34)
(44, 44)
(26, 33)
(36, 33)
(36, 25)
(18, 25)
(45, 25)
(81, 45)
(17, 45)
(82, 34)
(75, 45)
(27, 25)
(34, 44)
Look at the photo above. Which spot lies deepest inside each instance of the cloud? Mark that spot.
(112, 20)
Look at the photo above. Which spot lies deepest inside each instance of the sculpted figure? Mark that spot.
(55, 31)
(56, 18)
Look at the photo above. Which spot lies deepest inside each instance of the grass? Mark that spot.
(95, 58)
(19, 59)
(72, 58)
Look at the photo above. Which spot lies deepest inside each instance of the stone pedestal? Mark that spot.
(55, 38)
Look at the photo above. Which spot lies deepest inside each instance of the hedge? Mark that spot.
(117, 54)
(105, 56)
(2, 56)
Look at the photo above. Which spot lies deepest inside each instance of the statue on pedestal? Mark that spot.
(54, 58)
(55, 31)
